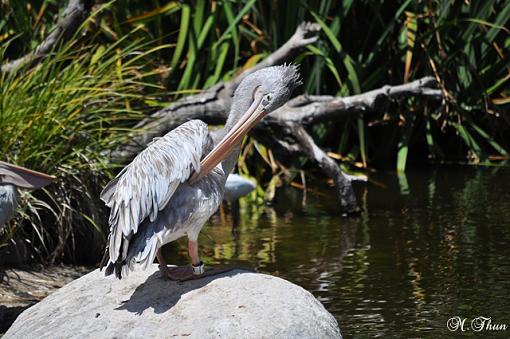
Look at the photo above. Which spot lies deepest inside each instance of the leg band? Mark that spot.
(198, 269)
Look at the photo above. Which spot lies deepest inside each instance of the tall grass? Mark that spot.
(59, 118)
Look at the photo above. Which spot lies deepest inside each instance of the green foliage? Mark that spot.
(463, 45)
(60, 117)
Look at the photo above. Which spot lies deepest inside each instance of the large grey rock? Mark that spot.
(236, 304)
(21, 289)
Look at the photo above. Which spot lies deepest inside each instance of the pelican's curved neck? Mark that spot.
(229, 163)
(239, 106)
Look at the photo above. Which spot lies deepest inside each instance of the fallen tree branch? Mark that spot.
(284, 131)
(213, 104)
(309, 109)
(330, 167)
(306, 34)
(289, 139)
(74, 15)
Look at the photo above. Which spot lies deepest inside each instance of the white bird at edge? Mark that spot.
(236, 187)
(173, 186)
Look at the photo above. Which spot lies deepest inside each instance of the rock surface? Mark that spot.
(236, 304)
(22, 288)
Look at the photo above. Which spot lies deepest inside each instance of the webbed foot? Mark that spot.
(185, 273)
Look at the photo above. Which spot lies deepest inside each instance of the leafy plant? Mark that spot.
(60, 117)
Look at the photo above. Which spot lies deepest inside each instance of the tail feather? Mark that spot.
(117, 268)
(143, 254)
(104, 259)
(113, 267)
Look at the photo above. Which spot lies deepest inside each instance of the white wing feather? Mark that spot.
(145, 186)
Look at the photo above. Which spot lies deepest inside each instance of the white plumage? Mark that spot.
(145, 186)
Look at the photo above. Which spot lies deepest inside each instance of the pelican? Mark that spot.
(173, 186)
(13, 177)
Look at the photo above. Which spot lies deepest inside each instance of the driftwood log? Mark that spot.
(285, 130)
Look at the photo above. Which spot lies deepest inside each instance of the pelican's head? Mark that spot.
(258, 94)
(264, 90)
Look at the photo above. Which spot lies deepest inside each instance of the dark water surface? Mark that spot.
(427, 247)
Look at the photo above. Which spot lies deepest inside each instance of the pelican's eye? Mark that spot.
(266, 100)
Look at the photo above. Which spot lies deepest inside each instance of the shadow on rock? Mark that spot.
(162, 294)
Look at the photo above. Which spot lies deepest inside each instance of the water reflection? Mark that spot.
(428, 246)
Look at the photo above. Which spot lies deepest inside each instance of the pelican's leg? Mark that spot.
(163, 267)
(182, 273)
(198, 265)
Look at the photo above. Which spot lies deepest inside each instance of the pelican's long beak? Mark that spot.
(234, 137)
(23, 177)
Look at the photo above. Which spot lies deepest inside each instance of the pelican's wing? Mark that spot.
(145, 186)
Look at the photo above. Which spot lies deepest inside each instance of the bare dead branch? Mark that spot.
(213, 104)
(289, 139)
(308, 109)
(306, 34)
(343, 185)
(73, 16)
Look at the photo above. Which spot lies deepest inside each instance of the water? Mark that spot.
(427, 247)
